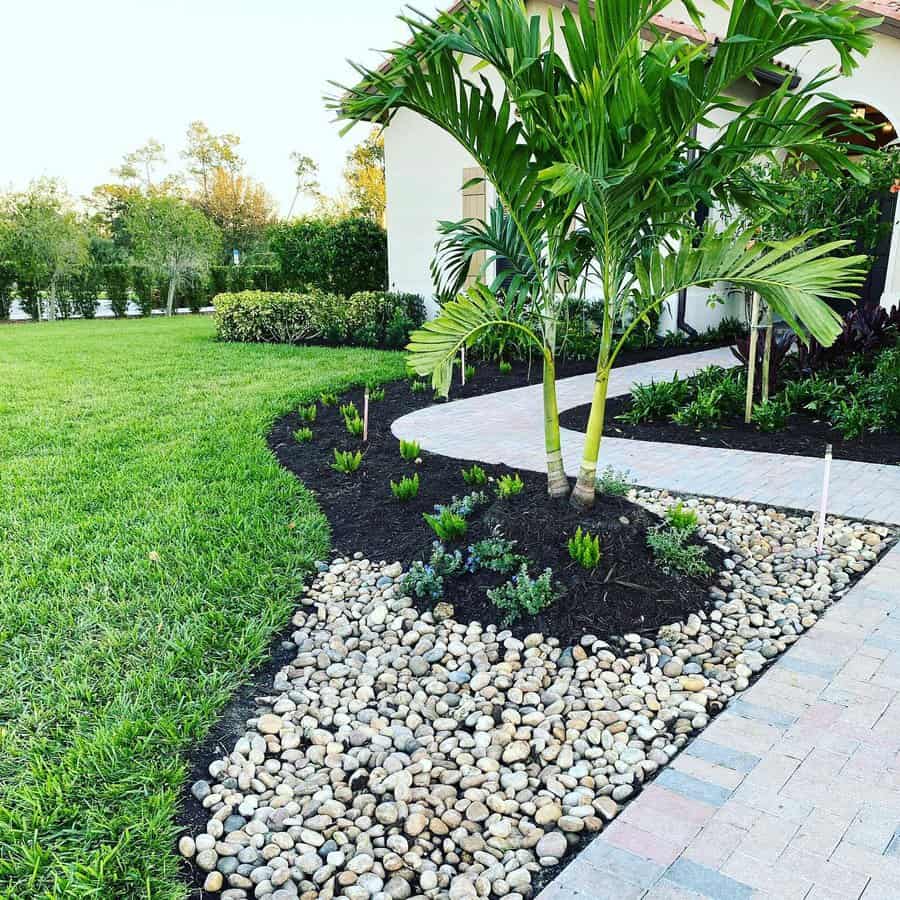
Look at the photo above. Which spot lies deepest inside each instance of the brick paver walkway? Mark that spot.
(507, 428)
(794, 790)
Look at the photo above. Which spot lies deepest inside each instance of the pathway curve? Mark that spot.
(506, 427)
(794, 790)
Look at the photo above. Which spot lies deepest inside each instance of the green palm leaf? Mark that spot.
(433, 348)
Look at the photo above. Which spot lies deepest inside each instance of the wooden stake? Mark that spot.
(751, 362)
(463, 360)
(767, 354)
(366, 416)
(820, 544)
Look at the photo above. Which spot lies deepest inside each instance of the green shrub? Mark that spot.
(303, 435)
(307, 413)
(496, 554)
(349, 410)
(447, 525)
(340, 255)
(853, 418)
(682, 519)
(410, 450)
(523, 595)
(505, 368)
(376, 394)
(465, 506)
(346, 461)
(474, 476)
(656, 400)
(704, 411)
(584, 548)
(328, 399)
(470, 373)
(445, 563)
(406, 488)
(423, 582)
(363, 319)
(258, 317)
(771, 415)
(354, 426)
(673, 553)
(509, 486)
(418, 387)
(613, 482)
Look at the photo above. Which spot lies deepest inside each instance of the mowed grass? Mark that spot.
(149, 547)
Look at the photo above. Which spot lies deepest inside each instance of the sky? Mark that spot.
(85, 83)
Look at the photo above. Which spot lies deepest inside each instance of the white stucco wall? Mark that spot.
(424, 169)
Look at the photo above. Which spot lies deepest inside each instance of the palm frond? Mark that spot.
(795, 283)
(433, 348)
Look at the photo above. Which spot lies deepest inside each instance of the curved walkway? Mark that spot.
(794, 790)
(506, 427)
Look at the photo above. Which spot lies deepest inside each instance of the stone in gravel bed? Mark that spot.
(405, 755)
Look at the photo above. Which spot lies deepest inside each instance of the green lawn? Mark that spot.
(149, 547)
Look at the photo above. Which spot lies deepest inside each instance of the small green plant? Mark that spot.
(419, 387)
(346, 461)
(509, 486)
(447, 525)
(656, 400)
(328, 399)
(410, 450)
(406, 488)
(354, 426)
(423, 582)
(771, 415)
(505, 368)
(303, 435)
(466, 505)
(673, 553)
(523, 595)
(307, 413)
(853, 418)
(682, 519)
(349, 411)
(706, 410)
(496, 554)
(376, 394)
(584, 548)
(470, 373)
(445, 563)
(474, 476)
(613, 482)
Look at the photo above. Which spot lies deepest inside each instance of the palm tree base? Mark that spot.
(584, 494)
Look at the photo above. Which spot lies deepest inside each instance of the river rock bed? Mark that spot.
(404, 755)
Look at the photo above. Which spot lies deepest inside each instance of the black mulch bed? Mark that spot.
(627, 593)
(804, 435)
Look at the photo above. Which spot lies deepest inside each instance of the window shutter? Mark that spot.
(474, 203)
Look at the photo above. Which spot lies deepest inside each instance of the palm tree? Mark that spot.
(593, 152)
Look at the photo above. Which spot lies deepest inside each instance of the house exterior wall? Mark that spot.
(425, 170)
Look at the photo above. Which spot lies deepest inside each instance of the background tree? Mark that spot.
(46, 244)
(364, 175)
(138, 168)
(241, 207)
(306, 172)
(205, 153)
(173, 240)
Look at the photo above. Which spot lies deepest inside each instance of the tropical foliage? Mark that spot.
(588, 137)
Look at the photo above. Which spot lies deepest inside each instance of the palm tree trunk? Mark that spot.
(557, 482)
(586, 487)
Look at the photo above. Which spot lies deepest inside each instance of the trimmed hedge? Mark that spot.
(365, 319)
(343, 256)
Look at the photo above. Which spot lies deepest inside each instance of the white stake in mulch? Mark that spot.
(820, 545)
(366, 416)
(463, 360)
